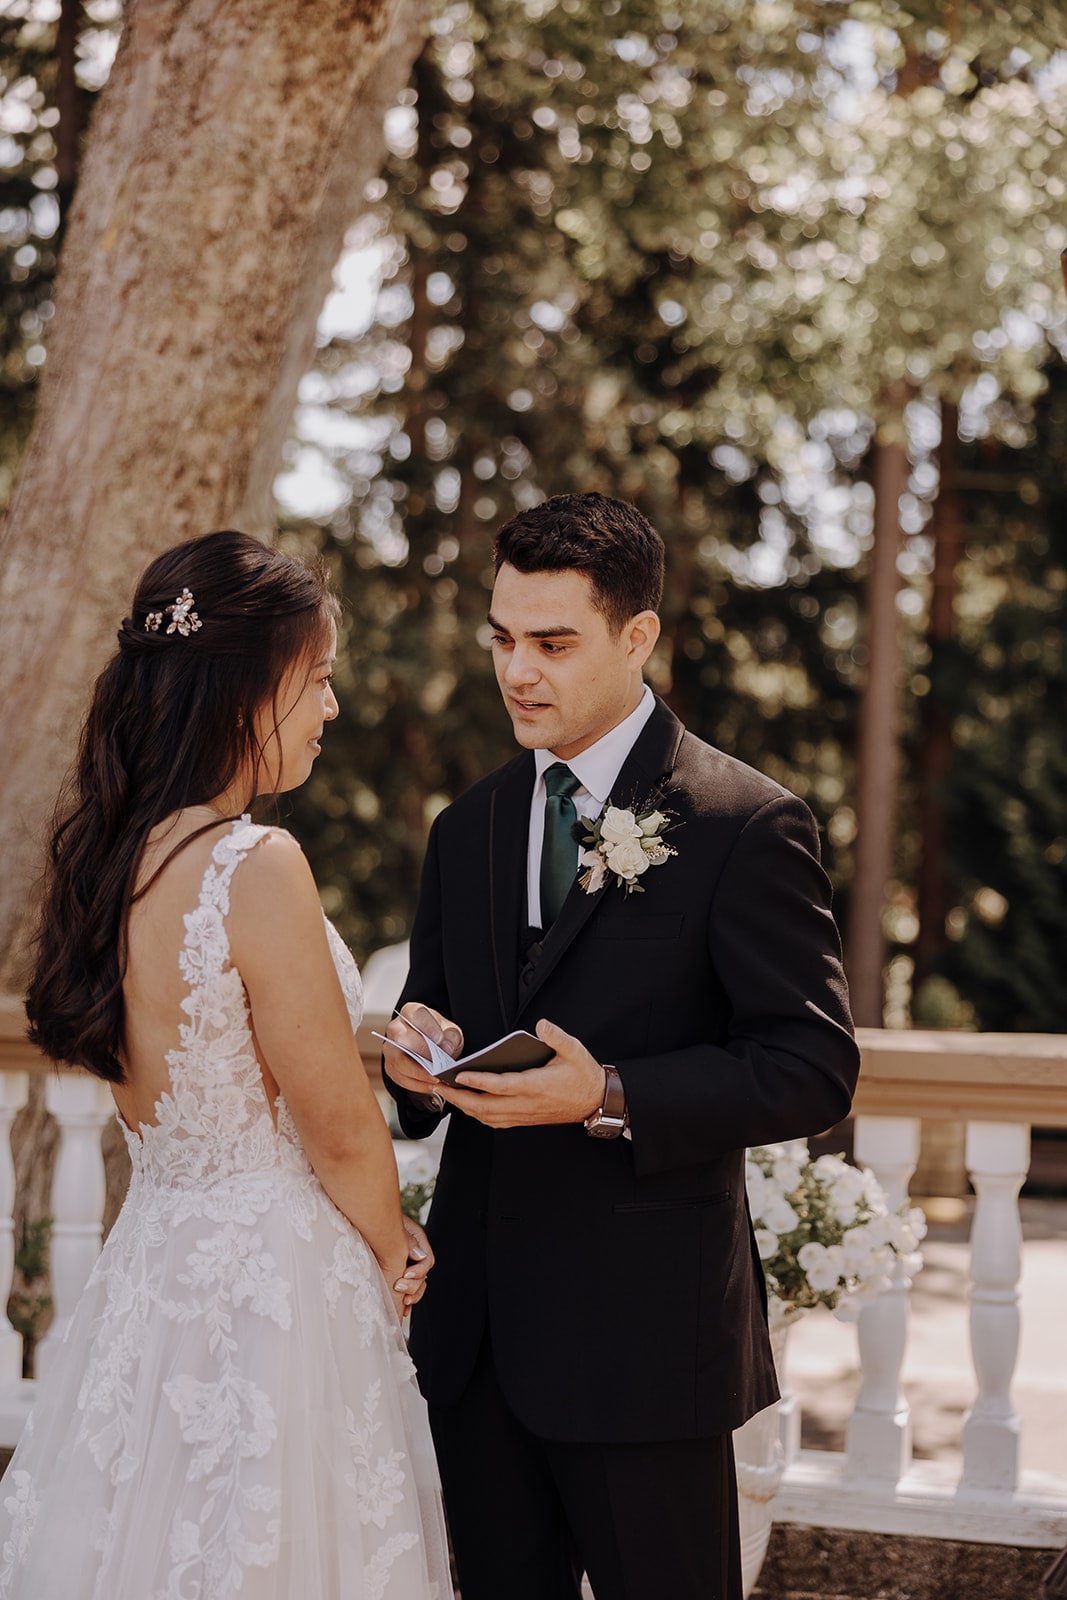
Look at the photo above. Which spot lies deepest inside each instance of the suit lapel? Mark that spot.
(645, 770)
(509, 832)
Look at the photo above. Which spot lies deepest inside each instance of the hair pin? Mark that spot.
(183, 619)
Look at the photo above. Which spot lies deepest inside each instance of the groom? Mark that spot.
(596, 1324)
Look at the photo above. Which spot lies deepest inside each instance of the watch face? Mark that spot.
(605, 1127)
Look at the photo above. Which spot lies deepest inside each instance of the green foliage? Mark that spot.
(28, 1306)
(37, 185)
(415, 1197)
(692, 259)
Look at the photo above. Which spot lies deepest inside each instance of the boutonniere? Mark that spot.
(624, 843)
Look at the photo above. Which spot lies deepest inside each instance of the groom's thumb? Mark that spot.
(549, 1034)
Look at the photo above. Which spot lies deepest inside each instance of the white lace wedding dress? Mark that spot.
(233, 1412)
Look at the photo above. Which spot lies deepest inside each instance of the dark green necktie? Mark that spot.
(559, 853)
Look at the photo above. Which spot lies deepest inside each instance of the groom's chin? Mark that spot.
(529, 738)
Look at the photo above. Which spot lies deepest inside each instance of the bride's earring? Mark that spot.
(240, 719)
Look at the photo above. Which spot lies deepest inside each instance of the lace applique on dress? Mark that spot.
(232, 1416)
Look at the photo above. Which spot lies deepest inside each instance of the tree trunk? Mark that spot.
(878, 753)
(226, 157)
(69, 130)
(935, 752)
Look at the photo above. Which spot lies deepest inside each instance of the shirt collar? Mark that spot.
(597, 767)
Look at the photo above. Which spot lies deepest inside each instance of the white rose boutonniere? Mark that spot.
(623, 843)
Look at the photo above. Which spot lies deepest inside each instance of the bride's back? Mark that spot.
(154, 987)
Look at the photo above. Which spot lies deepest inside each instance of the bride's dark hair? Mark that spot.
(171, 724)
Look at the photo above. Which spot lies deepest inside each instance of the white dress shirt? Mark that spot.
(596, 769)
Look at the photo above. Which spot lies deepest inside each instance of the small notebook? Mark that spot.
(515, 1052)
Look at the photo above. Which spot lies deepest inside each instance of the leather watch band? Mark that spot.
(610, 1120)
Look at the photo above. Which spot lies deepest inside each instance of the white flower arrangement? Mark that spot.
(418, 1179)
(624, 844)
(824, 1232)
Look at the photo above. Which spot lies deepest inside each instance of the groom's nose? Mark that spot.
(522, 668)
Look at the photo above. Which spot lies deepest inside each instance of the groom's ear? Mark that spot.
(640, 634)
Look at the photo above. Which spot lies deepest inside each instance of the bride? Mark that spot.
(233, 1411)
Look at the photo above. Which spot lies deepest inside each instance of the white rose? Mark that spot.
(810, 1255)
(779, 1215)
(628, 859)
(882, 1228)
(758, 1195)
(872, 1189)
(618, 825)
(843, 1207)
(787, 1173)
(826, 1273)
(420, 1167)
(652, 823)
(858, 1251)
(766, 1243)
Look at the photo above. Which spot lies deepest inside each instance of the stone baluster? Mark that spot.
(878, 1444)
(81, 1105)
(14, 1087)
(998, 1159)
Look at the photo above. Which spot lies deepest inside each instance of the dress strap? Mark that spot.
(206, 947)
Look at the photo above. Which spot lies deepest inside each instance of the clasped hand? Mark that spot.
(568, 1089)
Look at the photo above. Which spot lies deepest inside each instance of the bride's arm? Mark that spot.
(278, 944)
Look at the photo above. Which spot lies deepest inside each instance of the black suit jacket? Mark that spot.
(620, 1277)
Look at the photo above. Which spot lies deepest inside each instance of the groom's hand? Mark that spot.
(568, 1089)
(404, 1072)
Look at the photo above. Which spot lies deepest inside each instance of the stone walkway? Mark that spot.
(938, 1380)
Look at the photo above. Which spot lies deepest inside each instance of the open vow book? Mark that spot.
(513, 1053)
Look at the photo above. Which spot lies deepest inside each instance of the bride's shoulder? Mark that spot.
(273, 898)
(273, 860)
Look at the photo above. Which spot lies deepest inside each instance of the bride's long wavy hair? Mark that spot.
(171, 724)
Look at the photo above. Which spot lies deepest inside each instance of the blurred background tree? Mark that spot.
(786, 277)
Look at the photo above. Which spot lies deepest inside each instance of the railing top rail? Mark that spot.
(991, 1077)
(999, 1077)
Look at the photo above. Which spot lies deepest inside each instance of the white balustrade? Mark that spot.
(81, 1105)
(879, 1430)
(14, 1087)
(874, 1485)
(998, 1158)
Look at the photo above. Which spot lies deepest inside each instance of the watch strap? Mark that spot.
(609, 1121)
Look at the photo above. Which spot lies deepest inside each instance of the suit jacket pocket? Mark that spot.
(633, 923)
(689, 1203)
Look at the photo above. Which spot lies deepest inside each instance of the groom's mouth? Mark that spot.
(529, 708)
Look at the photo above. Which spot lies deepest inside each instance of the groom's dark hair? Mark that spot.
(617, 548)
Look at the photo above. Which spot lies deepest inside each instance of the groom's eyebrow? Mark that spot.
(538, 633)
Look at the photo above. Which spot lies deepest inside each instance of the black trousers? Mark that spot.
(527, 1515)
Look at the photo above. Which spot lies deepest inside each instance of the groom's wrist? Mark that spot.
(609, 1120)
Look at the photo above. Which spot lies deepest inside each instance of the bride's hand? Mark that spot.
(409, 1288)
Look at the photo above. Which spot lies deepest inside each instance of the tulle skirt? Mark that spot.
(233, 1414)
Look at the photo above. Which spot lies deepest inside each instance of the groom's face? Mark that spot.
(565, 676)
